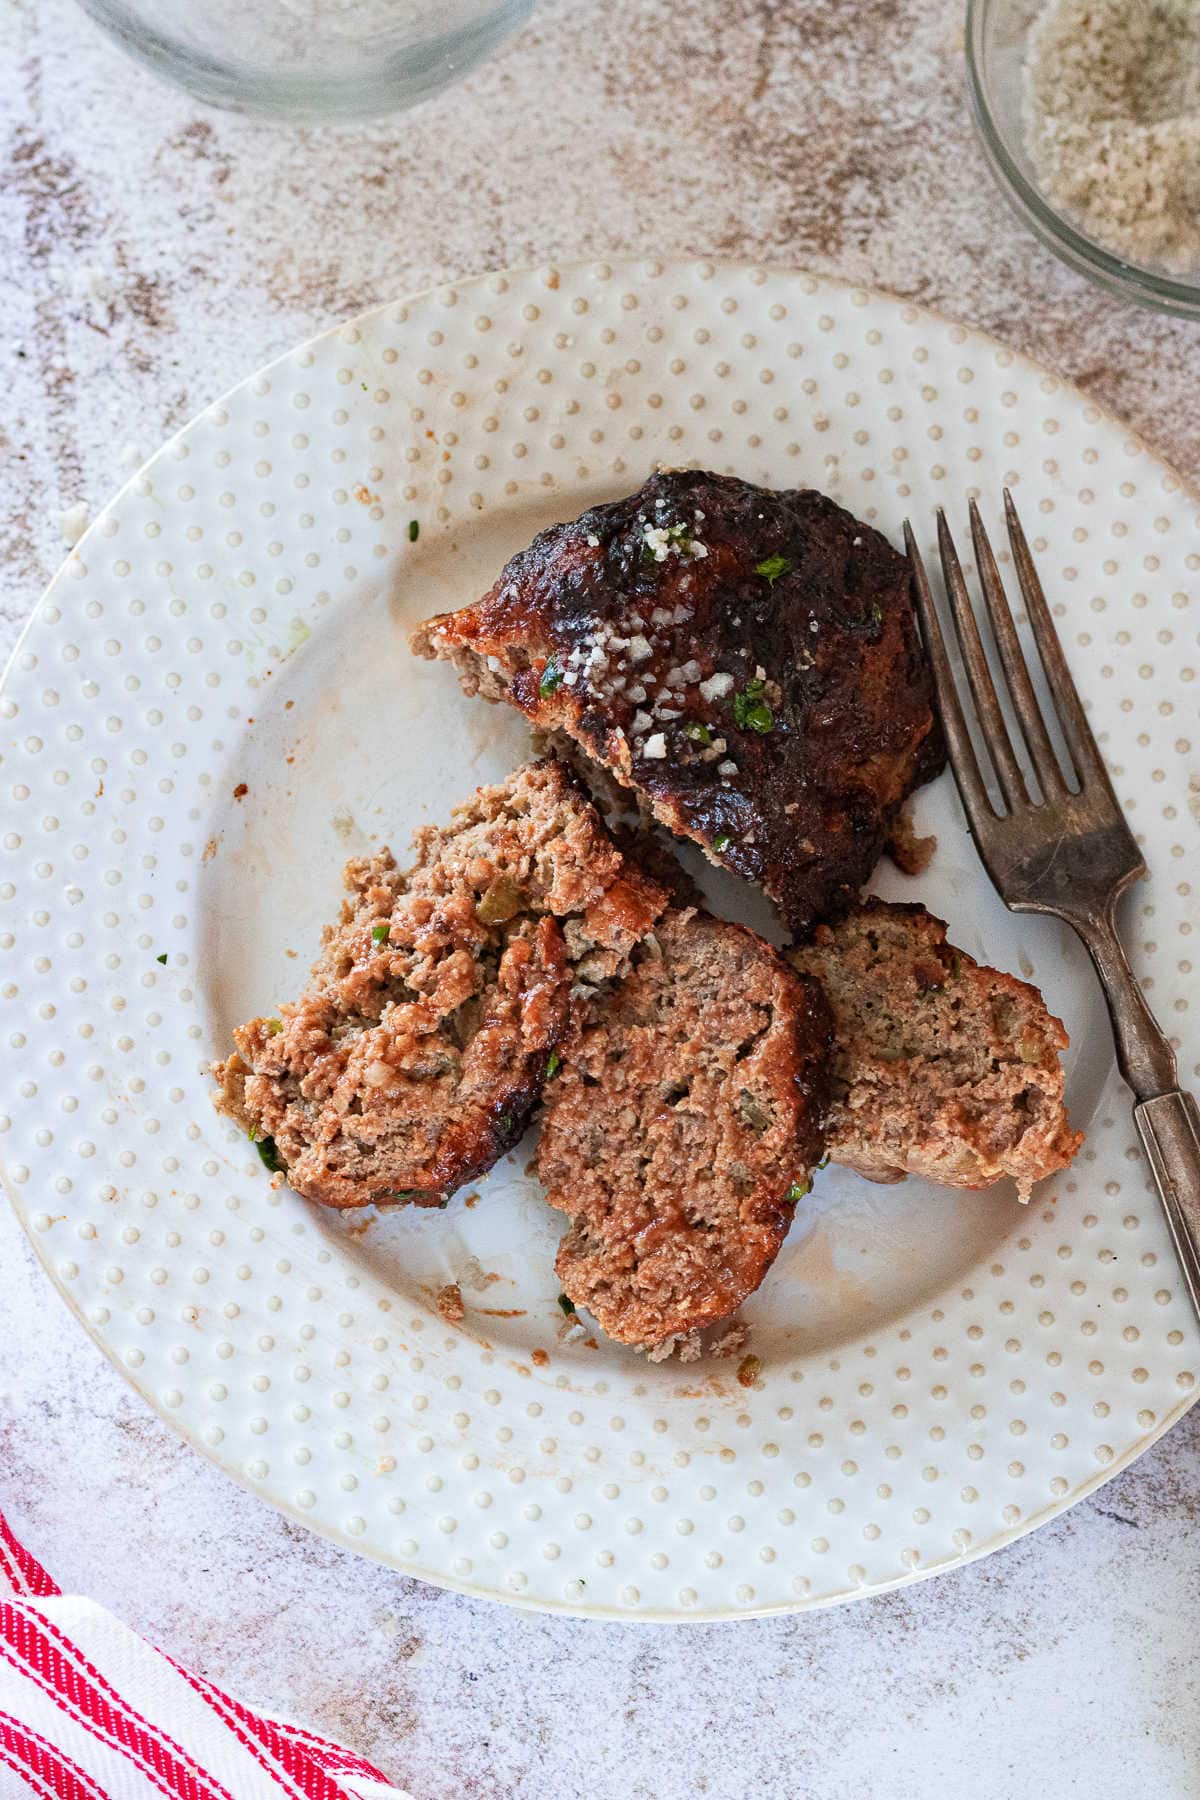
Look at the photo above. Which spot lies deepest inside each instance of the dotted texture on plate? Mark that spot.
(224, 654)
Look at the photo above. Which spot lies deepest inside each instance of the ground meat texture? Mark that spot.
(682, 1128)
(417, 1051)
(941, 1068)
(747, 661)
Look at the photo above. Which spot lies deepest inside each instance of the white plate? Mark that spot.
(940, 1371)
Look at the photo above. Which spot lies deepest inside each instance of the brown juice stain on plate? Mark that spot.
(540, 1357)
(470, 1201)
(500, 1312)
(812, 1262)
(241, 790)
(210, 850)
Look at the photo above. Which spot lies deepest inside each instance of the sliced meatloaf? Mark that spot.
(417, 1051)
(682, 1128)
(747, 661)
(941, 1068)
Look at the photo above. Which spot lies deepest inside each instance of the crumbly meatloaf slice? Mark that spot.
(941, 1068)
(417, 1051)
(682, 1127)
(746, 660)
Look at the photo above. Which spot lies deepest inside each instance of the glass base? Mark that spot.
(397, 78)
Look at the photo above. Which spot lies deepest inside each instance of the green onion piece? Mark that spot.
(162, 958)
(505, 1122)
(750, 713)
(414, 530)
(721, 842)
(798, 1190)
(699, 734)
(379, 934)
(771, 568)
(551, 677)
(269, 1154)
(553, 1064)
(274, 1027)
(568, 1306)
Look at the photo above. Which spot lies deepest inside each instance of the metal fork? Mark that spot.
(1066, 850)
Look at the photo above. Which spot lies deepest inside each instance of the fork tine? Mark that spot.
(976, 803)
(1085, 752)
(1020, 688)
(995, 731)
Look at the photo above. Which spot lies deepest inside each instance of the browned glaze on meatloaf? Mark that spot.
(747, 660)
(941, 1068)
(417, 1051)
(682, 1128)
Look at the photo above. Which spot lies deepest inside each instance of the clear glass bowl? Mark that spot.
(311, 59)
(996, 35)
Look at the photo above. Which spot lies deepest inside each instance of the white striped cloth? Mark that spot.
(90, 1711)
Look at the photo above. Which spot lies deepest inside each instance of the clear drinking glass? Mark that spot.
(311, 59)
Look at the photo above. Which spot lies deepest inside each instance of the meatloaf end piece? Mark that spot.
(417, 1050)
(941, 1068)
(747, 661)
(682, 1128)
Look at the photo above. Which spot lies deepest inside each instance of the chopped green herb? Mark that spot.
(269, 1154)
(414, 530)
(363, 386)
(162, 958)
(402, 1194)
(379, 934)
(798, 1190)
(721, 842)
(551, 677)
(771, 568)
(274, 1027)
(553, 1064)
(877, 616)
(568, 1306)
(699, 734)
(750, 710)
(505, 1122)
(824, 1163)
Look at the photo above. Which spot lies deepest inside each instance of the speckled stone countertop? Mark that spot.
(151, 254)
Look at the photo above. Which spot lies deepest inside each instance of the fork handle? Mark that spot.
(1169, 1127)
(1144, 1056)
(1167, 1119)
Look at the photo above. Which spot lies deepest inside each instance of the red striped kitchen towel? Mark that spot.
(89, 1711)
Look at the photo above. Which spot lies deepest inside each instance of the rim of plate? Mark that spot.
(187, 1426)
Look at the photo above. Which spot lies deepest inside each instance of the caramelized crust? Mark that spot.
(746, 660)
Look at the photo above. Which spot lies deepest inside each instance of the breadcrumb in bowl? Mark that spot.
(1101, 174)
